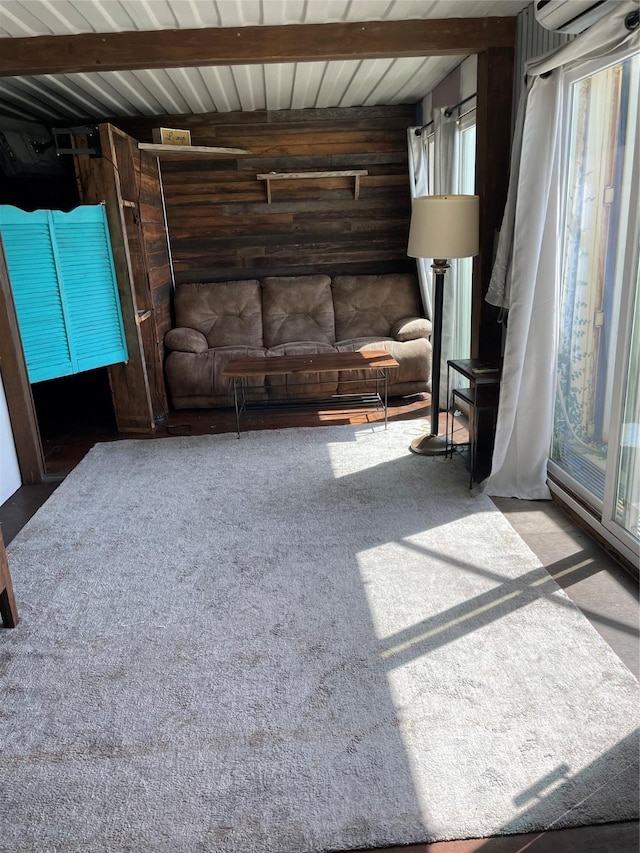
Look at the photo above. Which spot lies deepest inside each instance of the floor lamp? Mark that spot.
(442, 227)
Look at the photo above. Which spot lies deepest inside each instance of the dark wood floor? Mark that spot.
(606, 593)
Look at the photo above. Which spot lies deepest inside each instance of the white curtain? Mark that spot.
(525, 279)
(418, 145)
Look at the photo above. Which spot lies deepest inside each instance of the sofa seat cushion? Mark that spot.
(413, 357)
(199, 376)
(370, 341)
(300, 386)
(297, 308)
(371, 304)
(228, 313)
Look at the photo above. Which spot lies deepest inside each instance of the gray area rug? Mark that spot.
(305, 640)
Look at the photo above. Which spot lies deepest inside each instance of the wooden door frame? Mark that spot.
(17, 388)
(99, 182)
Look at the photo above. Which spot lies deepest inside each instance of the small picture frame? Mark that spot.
(171, 136)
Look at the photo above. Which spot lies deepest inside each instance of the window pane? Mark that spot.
(466, 186)
(597, 204)
(627, 509)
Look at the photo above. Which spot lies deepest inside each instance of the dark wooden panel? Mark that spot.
(149, 259)
(283, 125)
(493, 116)
(112, 179)
(220, 223)
(367, 267)
(8, 606)
(229, 46)
(204, 125)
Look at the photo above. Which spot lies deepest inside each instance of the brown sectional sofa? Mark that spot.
(294, 315)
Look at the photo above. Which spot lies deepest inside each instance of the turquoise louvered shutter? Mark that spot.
(36, 293)
(64, 287)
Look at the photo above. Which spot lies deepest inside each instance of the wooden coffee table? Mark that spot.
(377, 362)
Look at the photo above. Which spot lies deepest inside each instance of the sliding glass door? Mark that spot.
(596, 438)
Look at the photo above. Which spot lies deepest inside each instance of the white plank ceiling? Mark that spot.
(80, 97)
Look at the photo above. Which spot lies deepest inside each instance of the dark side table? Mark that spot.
(480, 397)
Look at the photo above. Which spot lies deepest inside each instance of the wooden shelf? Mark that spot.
(300, 176)
(157, 148)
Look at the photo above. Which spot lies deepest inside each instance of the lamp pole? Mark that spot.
(441, 225)
(439, 267)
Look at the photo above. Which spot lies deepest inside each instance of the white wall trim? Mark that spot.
(10, 479)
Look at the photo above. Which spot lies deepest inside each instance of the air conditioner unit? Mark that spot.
(570, 16)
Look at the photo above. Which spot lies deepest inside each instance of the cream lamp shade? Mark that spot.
(444, 226)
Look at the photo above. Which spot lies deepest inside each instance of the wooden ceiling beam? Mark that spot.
(131, 51)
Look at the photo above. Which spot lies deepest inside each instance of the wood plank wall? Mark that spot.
(153, 243)
(149, 259)
(128, 182)
(220, 224)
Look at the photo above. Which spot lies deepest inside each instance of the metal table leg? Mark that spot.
(385, 371)
(446, 428)
(235, 400)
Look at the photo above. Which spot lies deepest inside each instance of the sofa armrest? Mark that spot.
(185, 340)
(411, 328)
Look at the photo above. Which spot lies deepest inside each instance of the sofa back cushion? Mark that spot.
(297, 308)
(228, 313)
(371, 304)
